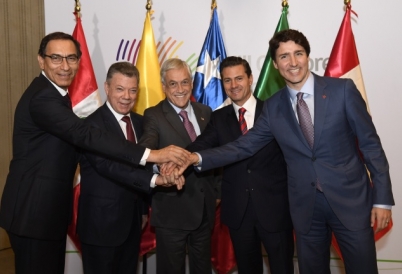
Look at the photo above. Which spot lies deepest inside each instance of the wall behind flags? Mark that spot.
(112, 28)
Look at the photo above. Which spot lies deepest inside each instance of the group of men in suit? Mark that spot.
(273, 174)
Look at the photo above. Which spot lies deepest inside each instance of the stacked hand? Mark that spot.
(172, 179)
(169, 167)
(172, 153)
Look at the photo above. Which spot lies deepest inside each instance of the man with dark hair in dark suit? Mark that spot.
(254, 194)
(37, 199)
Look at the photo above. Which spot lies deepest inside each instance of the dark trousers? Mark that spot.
(247, 246)
(33, 256)
(313, 248)
(120, 259)
(171, 249)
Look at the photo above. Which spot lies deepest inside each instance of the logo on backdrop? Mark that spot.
(128, 51)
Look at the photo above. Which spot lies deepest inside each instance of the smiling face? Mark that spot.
(292, 62)
(60, 74)
(177, 86)
(121, 92)
(237, 84)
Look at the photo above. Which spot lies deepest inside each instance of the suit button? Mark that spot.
(202, 190)
(313, 184)
(313, 158)
(248, 171)
(246, 189)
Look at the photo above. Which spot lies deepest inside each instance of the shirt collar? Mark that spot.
(308, 87)
(118, 116)
(59, 89)
(248, 105)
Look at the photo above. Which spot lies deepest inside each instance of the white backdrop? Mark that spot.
(247, 27)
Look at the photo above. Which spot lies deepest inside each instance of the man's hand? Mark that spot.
(144, 221)
(170, 180)
(172, 153)
(382, 216)
(193, 159)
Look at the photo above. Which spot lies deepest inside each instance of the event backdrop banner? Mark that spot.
(113, 31)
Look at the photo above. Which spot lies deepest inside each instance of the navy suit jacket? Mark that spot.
(261, 178)
(111, 196)
(37, 197)
(172, 208)
(341, 117)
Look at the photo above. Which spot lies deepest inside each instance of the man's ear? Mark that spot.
(41, 62)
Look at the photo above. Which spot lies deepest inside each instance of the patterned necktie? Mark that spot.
(306, 125)
(129, 129)
(242, 121)
(188, 125)
(305, 122)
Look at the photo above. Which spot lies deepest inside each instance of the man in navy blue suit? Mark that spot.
(328, 184)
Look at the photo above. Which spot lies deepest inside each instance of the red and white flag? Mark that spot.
(344, 63)
(85, 99)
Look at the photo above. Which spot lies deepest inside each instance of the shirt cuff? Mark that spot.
(199, 164)
(153, 180)
(144, 158)
(383, 206)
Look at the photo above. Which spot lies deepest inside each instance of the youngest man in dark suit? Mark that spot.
(255, 203)
(111, 201)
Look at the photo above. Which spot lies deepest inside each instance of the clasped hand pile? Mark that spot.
(172, 162)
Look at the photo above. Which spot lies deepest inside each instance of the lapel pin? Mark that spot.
(202, 118)
(324, 96)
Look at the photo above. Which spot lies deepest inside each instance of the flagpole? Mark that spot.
(78, 8)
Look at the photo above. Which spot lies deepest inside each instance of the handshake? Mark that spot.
(173, 161)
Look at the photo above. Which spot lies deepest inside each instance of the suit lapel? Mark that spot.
(137, 125)
(290, 117)
(232, 122)
(321, 99)
(200, 116)
(173, 118)
(111, 124)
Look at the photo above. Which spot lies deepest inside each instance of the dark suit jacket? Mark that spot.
(172, 208)
(340, 117)
(261, 178)
(110, 191)
(37, 197)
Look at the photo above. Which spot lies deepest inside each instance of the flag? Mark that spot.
(85, 99)
(208, 89)
(344, 63)
(148, 65)
(207, 86)
(150, 94)
(270, 81)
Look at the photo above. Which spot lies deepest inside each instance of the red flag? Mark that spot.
(148, 239)
(222, 252)
(344, 63)
(85, 99)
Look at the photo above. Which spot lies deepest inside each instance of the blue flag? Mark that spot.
(207, 87)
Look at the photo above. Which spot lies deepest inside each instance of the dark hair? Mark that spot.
(173, 63)
(125, 68)
(58, 36)
(232, 61)
(285, 36)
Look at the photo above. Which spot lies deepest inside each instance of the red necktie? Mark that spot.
(129, 129)
(242, 121)
(188, 125)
